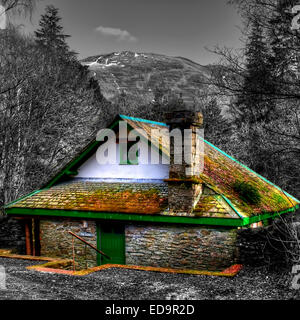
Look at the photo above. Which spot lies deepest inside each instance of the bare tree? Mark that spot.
(18, 7)
(49, 108)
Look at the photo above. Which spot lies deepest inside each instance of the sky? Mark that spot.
(173, 27)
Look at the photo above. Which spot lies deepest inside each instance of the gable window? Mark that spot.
(124, 152)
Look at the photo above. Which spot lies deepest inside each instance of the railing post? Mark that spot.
(90, 245)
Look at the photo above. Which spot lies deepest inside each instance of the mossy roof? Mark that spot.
(213, 205)
(135, 198)
(139, 198)
(221, 173)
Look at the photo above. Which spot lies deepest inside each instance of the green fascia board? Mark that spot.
(265, 216)
(65, 171)
(82, 156)
(124, 217)
(232, 206)
(23, 198)
(72, 173)
(145, 121)
(119, 118)
(226, 222)
(94, 144)
(247, 168)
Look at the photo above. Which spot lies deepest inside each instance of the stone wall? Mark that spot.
(183, 196)
(173, 246)
(12, 235)
(180, 247)
(57, 242)
(166, 246)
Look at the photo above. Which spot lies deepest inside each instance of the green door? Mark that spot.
(111, 241)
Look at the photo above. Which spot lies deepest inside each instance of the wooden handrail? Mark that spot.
(90, 245)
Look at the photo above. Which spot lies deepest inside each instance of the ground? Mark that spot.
(119, 284)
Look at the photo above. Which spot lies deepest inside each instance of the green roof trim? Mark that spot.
(218, 175)
(232, 206)
(262, 217)
(145, 121)
(23, 198)
(66, 171)
(226, 222)
(125, 217)
(247, 168)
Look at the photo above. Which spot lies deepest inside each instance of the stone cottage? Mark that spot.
(162, 215)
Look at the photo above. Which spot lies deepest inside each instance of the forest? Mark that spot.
(50, 106)
(262, 83)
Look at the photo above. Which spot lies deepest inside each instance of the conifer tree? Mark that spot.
(50, 35)
(285, 46)
(215, 124)
(255, 106)
(253, 101)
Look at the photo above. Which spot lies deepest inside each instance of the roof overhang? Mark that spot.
(225, 222)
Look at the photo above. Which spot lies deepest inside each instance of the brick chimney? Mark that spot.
(185, 187)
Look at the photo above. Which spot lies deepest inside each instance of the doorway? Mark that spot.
(32, 237)
(111, 241)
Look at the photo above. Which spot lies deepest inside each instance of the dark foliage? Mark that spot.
(247, 192)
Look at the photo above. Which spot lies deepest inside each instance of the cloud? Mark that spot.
(120, 35)
(2, 17)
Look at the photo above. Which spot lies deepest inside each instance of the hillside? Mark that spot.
(140, 73)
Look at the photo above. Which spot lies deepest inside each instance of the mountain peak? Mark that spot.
(141, 73)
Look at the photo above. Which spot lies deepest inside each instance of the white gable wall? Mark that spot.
(92, 169)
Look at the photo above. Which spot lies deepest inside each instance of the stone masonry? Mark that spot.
(165, 246)
(180, 247)
(168, 246)
(183, 196)
(57, 242)
(184, 190)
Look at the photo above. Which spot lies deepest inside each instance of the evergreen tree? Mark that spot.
(216, 127)
(254, 102)
(285, 47)
(50, 35)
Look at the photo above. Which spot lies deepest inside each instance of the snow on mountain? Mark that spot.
(141, 73)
